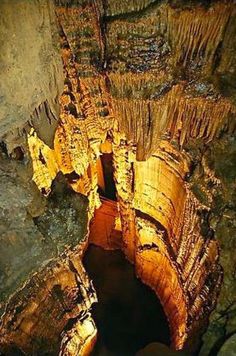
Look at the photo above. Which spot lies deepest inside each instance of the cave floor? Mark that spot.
(128, 315)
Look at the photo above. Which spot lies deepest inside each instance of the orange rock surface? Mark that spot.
(156, 210)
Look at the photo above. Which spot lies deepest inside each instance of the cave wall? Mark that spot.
(40, 281)
(213, 182)
(31, 68)
(41, 273)
(153, 83)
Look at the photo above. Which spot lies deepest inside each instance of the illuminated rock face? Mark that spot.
(192, 260)
(44, 285)
(164, 241)
(80, 339)
(143, 89)
(181, 117)
(61, 289)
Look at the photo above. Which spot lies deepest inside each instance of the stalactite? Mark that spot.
(88, 85)
(98, 118)
(198, 118)
(122, 6)
(171, 231)
(71, 146)
(45, 165)
(144, 121)
(81, 184)
(196, 33)
(143, 116)
(142, 85)
(177, 114)
(138, 121)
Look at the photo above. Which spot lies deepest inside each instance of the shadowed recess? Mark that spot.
(128, 314)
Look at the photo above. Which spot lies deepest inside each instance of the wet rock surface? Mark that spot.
(135, 72)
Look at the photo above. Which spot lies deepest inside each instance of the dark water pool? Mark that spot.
(129, 315)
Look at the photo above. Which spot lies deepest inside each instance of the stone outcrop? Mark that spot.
(144, 81)
(31, 68)
(80, 339)
(58, 293)
(43, 281)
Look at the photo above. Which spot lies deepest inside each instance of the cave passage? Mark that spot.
(128, 314)
(109, 189)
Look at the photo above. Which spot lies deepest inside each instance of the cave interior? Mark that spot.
(118, 177)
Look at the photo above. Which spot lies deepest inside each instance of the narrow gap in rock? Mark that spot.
(108, 190)
(128, 314)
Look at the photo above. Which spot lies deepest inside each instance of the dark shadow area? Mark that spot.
(108, 170)
(128, 315)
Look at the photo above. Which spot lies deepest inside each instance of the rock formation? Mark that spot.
(150, 83)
